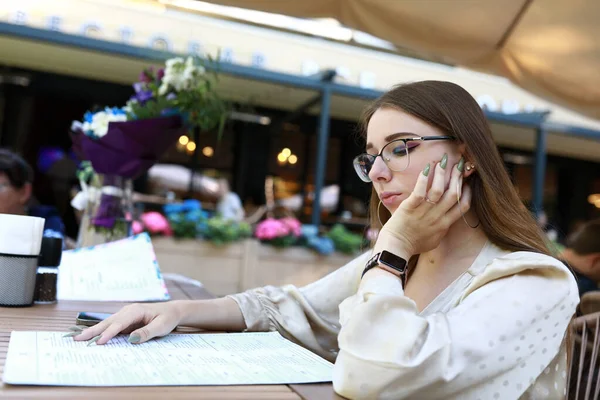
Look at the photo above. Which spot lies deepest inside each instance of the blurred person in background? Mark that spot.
(229, 205)
(582, 254)
(16, 179)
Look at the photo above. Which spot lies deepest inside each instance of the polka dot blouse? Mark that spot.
(497, 332)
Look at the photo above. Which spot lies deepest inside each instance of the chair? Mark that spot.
(590, 302)
(583, 382)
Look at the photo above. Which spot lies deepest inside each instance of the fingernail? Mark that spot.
(134, 338)
(76, 329)
(71, 334)
(94, 340)
(426, 170)
(461, 165)
(444, 161)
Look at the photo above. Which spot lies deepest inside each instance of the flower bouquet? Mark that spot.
(121, 143)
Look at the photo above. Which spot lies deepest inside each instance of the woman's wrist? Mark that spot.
(214, 314)
(393, 244)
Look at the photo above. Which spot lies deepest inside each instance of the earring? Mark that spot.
(378, 217)
(460, 209)
(470, 166)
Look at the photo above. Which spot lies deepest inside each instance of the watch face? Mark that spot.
(392, 260)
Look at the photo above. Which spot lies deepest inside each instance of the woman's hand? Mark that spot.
(423, 219)
(143, 321)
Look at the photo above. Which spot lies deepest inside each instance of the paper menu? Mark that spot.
(125, 270)
(46, 358)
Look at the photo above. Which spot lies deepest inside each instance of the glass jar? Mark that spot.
(108, 214)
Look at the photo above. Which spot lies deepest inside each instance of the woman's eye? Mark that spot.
(399, 150)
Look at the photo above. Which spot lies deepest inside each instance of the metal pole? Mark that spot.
(193, 162)
(322, 140)
(539, 171)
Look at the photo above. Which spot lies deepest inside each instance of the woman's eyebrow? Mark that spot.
(393, 136)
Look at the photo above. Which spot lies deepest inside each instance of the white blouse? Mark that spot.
(496, 332)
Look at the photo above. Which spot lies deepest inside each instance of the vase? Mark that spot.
(108, 214)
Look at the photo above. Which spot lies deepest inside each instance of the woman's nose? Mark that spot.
(380, 171)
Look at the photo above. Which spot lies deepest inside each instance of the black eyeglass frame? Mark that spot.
(373, 157)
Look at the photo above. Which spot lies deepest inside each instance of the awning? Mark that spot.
(548, 47)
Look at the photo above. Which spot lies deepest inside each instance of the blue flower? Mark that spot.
(322, 245)
(192, 205)
(115, 111)
(309, 231)
(88, 116)
(195, 215)
(173, 208)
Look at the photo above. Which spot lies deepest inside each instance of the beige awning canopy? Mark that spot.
(548, 47)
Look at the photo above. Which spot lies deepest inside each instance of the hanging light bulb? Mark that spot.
(208, 151)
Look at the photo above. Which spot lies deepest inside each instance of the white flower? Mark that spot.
(100, 121)
(163, 89)
(173, 62)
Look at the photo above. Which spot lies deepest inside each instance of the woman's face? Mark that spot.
(394, 187)
(12, 200)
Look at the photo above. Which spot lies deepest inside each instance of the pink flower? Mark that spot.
(271, 228)
(155, 222)
(137, 227)
(294, 226)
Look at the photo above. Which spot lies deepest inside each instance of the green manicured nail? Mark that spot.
(134, 338)
(94, 340)
(71, 334)
(461, 165)
(444, 161)
(76, 329)
(426, 170)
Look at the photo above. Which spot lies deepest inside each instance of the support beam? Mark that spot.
(193, 162)
(298, 112)
(539, 172)
(322, 141)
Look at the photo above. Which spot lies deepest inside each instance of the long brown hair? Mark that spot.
(451, 109)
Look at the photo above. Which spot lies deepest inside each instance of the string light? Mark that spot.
(292, 159)
(183, 140)
(208, 151)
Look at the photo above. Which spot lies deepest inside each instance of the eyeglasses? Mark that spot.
(395, 155)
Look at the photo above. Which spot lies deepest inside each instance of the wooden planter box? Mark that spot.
(243, 265)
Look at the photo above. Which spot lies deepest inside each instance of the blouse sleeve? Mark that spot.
(502, 333)
(308, 315)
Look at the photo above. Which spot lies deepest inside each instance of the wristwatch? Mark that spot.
(389, 262)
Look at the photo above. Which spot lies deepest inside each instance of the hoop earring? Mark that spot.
(459, 208)
(378, 217)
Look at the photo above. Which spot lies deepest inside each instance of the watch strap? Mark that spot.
(389, 262)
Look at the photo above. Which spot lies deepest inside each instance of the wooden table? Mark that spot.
(60, 316)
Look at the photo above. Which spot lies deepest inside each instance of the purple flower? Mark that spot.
(108, 211)
(146, 75)
(160, 74)
(142, 95)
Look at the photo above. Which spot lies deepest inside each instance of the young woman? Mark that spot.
(457, 299)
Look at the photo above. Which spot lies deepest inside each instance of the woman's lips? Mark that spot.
(390, 198)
